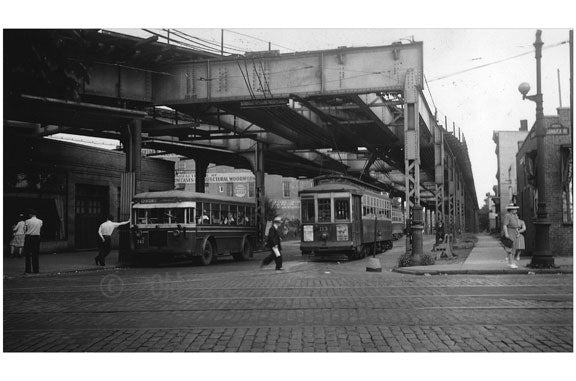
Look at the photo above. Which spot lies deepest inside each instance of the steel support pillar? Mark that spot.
(259, 175)
(200, 168)
(438, 134)
(451, 195)
(130, 184)
(412, 165)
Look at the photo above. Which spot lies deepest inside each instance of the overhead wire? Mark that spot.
(259, 39)
(494, 62)
(211, 42)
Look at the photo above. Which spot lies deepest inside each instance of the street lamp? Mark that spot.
(542, 257)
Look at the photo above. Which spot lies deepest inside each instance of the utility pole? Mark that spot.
(542, 256)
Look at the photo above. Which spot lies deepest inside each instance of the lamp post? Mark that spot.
(542, 257)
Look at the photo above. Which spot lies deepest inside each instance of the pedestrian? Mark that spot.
(520, 242)
(439, 230)
(32, 227)
(105, 232)
(274, 243)
(510, 228)
(17, 242)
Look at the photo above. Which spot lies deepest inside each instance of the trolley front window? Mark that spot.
(324, 212)
(342, 209)
(308, 214)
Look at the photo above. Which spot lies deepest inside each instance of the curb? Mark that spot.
(483, 272)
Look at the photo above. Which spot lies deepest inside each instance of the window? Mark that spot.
(342, 209)
(307, 206)
(214, 213)
(190, 214)
(220, 189)
(324, 213)
(230, 189)
(286, 189)
(251, 189)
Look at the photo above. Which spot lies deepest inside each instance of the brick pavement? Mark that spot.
(312, 307)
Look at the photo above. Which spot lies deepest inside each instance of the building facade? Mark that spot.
(72, 187)
(227, 181)
(559, 191)
(507, 143)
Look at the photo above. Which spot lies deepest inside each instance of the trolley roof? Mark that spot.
(339, 183)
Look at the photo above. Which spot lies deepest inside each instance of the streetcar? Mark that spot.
(398, 225)
(182, 224)
(343, 215)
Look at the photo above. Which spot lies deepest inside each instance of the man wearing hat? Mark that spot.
(273, 242)
(511, 227)
(32, 228)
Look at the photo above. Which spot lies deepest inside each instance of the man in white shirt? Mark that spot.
(105, 231)
(32, 227)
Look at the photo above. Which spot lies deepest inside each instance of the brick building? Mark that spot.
(228, 181)
(507, 143)
(559, 192)
(71, 186)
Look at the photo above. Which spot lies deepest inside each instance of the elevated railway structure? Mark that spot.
(358, 111)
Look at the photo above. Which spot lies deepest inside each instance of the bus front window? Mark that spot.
(141, 216)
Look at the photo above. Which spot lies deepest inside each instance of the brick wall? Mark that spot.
(561, 235)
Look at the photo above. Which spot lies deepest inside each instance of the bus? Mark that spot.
(343, 215)
(182, 224)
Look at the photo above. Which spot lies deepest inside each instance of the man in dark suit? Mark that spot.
(274, 243)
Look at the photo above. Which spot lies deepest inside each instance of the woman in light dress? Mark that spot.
(17, 242)
(513, 228)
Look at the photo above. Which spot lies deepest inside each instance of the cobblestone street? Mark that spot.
(312, 306)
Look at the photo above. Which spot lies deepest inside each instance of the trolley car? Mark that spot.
(397, 223)
(182, 224)
(343, 215)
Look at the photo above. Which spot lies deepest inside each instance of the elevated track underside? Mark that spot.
(358, 111)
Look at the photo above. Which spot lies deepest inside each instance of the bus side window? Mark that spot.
(241, 216)
(214, 213)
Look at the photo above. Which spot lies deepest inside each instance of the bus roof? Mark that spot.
(181, 195)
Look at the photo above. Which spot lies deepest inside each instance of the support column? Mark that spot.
(439, 172)
(130, 184)
(200, 169)
(136, 152)
(412, 164)
(259, 175)
(451, 196)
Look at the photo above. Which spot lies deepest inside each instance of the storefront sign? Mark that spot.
(240, 190)
(189, 177)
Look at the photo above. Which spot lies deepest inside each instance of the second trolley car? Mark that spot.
(343, 215)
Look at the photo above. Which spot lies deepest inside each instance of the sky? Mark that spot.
(478, 101)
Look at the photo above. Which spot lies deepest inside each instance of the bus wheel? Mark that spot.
(246, 252)
(207, 254)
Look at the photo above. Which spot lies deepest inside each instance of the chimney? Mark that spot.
(524, 125)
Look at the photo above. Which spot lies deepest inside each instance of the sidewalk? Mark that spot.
(487, 257)
(68, 262)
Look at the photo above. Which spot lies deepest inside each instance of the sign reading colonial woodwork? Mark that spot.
(189, 177)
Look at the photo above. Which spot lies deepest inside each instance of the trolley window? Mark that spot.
(308, 214)
(342, 209)
(324, 212)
